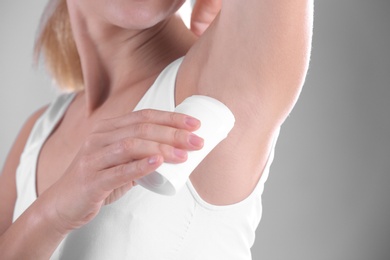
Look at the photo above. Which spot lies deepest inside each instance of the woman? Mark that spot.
(88, 148)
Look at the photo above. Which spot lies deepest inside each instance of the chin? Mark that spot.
(143, 14)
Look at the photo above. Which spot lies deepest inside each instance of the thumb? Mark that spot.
(203, 15)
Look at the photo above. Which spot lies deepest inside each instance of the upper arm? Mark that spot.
(254, 58)
(257, 51)
(8, 173)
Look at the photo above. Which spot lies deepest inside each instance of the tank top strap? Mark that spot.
(49, 119)
(26, 171)
(161, 95)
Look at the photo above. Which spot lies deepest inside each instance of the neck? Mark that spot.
(114, 59)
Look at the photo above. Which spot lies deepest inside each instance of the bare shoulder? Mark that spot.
(7, 176)
(254, 58)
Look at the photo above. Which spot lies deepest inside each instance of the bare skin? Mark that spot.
(262, 45)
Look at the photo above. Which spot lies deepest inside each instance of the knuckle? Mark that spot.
(139, 169)
(90, 141)
(99, 126)
(126, 144)
(120, 173)
(118, 123)
(125, 173)
(85, 162)
(146, 114)
(174, 117)
(161, 148)
(143, 130)
(120, 170)
(165, 150)
(177, 133)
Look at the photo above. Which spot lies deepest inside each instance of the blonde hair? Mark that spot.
(55, 41)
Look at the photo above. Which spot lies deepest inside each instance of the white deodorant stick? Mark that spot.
(216, 122)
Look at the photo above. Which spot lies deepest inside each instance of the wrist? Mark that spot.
(34, 235)
(48, 215)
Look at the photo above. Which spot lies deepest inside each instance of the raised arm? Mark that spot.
(256, 49)
(254, 57)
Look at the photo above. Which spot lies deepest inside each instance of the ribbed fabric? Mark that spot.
(143, 225)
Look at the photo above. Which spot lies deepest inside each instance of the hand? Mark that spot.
(203, 15)
(114, 155)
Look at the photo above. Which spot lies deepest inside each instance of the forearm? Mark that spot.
(34, 235)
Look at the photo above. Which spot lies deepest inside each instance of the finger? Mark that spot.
(157, 117)
(118, 193)
(178, 138)
(130, 149)
(115, 177)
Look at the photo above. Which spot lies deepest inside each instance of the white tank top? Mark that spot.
(143, 225)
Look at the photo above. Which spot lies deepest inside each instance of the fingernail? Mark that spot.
(195, 140)
(152, 160)
(180, 153)
(193, 122)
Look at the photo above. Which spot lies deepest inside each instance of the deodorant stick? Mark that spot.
(216, 122)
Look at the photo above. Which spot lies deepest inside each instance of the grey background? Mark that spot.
(328, 193)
